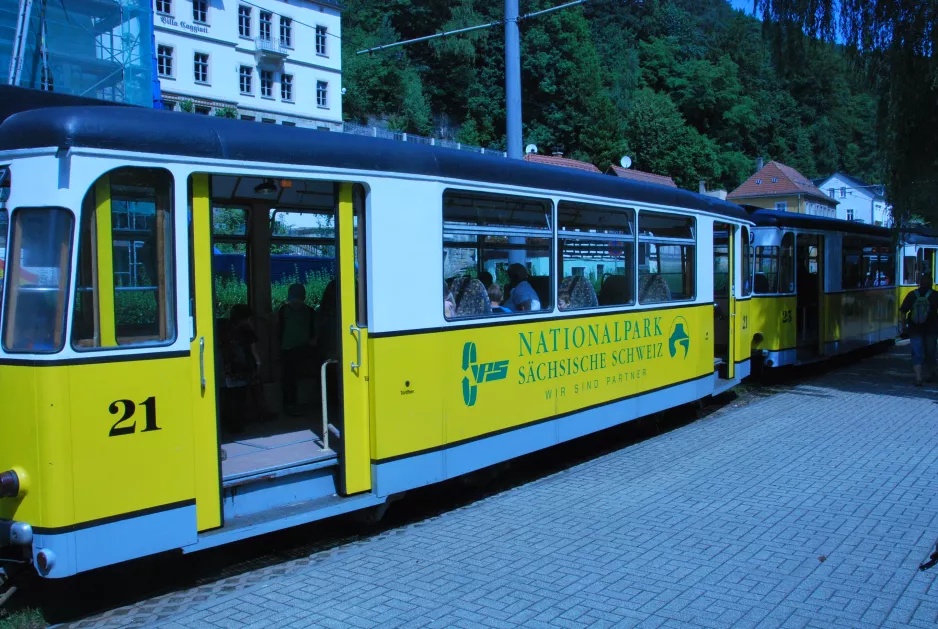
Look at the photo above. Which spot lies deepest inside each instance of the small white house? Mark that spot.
(858, 200)
(275, 61)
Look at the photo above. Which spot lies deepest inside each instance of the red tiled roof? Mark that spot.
(566, 162)
(637, 175)
(776, 179)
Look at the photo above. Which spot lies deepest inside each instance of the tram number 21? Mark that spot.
(129, 408)
(786, 316)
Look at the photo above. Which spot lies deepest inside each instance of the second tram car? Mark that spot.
(821, 287)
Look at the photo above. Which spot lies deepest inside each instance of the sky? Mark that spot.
(745, 5)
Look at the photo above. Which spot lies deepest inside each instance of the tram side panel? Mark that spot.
(773, 328)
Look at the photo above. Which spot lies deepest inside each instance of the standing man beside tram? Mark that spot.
(921, 309)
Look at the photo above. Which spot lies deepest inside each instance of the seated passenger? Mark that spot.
(495, 297)
(521, 295)
(449, 304)
(297, 334)
(471, 298)
(242, 369)
(486, 278)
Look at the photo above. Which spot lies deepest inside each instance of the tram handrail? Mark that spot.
(325, 403)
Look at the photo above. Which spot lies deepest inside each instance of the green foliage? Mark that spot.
(227, 111)
(22, 619)
(230, 291)
(187, 106)
(691, 89)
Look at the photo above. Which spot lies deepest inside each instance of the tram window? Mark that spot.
(747, 262)
(877, 265)
(124, 295)
(910, 266)
(230, 258)
(507, 237)
(597, 245)
(40, 250)
(666, 256)
(302, 251)
(786, 264)
(765, 281)
(852, 274)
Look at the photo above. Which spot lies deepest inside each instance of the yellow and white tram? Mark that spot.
(821, 287)
(134, 236)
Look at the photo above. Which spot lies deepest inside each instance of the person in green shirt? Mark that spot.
(297, 338)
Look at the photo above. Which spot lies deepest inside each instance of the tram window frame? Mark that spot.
(130, 191)
(786, 264)
(911, 263)
(878, 258)
(4, 228)
(688, 254)
(748, 262)
(586, 227)
(233, 239)
(500, 217)
(325, 241)
(13, 334)
(761, 254)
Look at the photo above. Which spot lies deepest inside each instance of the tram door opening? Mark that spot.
(722, 300)
(810, 294)
(284, 266)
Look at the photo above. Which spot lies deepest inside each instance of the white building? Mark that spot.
(858, 200)
(276, 61)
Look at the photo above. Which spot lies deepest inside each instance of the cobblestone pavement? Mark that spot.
(809, 508)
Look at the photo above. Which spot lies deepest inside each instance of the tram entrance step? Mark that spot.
(283, 517)
(245, 458)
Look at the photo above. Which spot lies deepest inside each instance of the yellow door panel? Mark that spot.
(202, 364)
(19, 442)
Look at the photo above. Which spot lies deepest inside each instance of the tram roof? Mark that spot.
(208, 137)
(777, 218)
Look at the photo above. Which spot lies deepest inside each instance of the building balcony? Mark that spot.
(269, 50)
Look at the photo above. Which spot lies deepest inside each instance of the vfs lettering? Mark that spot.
(476, 373)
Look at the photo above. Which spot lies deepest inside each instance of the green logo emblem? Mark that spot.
(678, 337)
(477, 373)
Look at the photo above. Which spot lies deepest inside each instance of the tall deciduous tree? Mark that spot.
(896, 41)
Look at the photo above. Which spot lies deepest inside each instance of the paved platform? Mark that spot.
(809, 508)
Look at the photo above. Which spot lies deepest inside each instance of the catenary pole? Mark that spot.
(512, 64)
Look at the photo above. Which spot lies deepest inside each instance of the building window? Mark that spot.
(269, 120)
(597, 249)
(164, 6)
(267, 83)
(286, 32)
(286, 87)
(202, 109)
(781, 206)
(507, 237)
(666, 255)
(774, 179)
(200, 11)
(849, 215)
(322, 94)
(843, 193)
(244, 21)
(164, 60)
(321, 40)
(267, 20)
(200, 65)
(246, 117)
(246, 73)
(832, 192)
(287, 123)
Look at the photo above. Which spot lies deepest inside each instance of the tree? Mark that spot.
(895, 41)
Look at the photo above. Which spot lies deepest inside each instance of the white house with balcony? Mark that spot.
(274, 61)
(857, 200)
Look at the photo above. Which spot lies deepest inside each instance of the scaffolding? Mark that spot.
(92, 48)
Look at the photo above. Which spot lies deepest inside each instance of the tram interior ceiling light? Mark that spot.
(266, 187)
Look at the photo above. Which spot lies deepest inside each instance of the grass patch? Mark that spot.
(23, 619)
